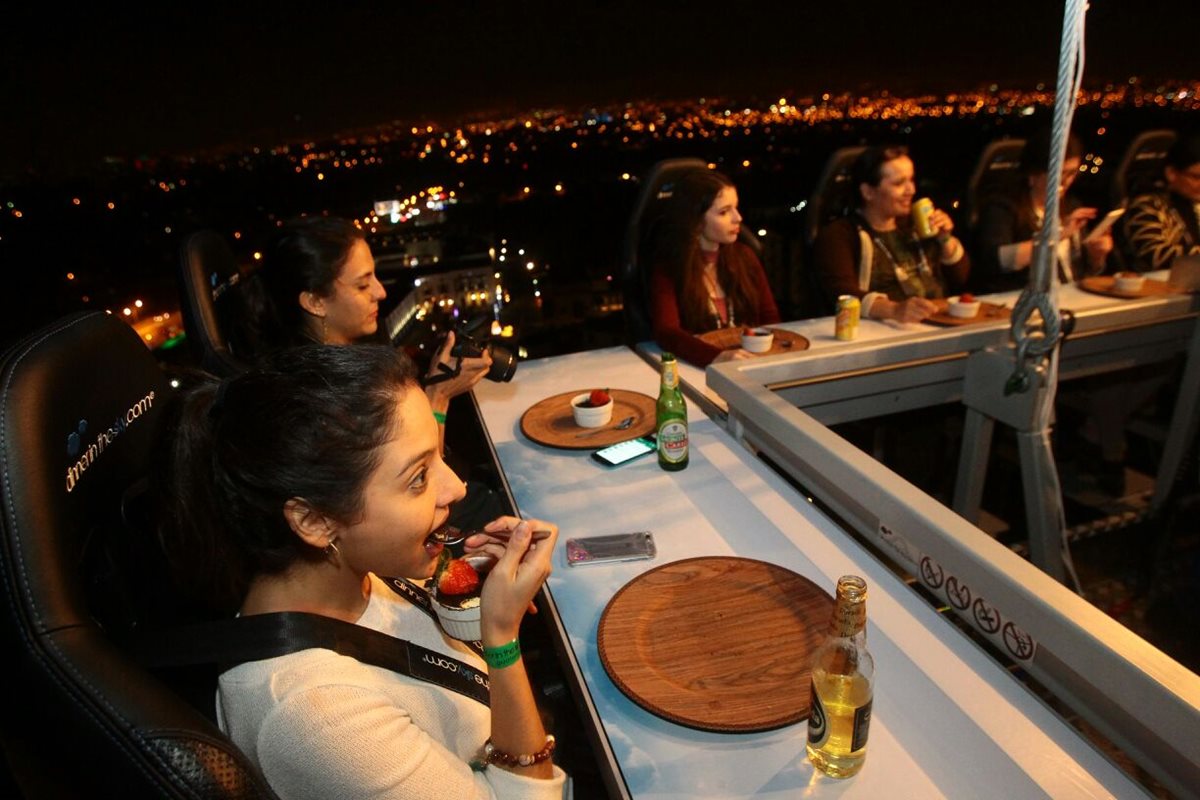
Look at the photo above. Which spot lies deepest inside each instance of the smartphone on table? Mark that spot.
(621, 452)
(613, 547)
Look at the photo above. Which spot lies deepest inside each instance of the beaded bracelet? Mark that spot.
(492, 755)
(503, 656)
(440, 417)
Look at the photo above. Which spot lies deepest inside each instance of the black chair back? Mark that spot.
(833, 195)
(82, 404)
(208, 281)
(1140, 169)
(995, 170)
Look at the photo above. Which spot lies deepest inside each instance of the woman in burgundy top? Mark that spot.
(704, 278)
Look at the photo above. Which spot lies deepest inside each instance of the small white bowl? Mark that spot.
(586, 417)
(957, 308)
(759, 342)
(1124, 282)
(464, 623)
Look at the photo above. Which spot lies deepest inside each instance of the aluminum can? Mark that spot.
(921, 211)
(846, 322)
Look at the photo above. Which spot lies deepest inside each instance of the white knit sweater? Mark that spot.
(321, 725)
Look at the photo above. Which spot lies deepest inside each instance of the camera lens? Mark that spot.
(504, 363)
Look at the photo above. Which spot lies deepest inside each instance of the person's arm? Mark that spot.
(471, 372)
(668, 331)
(510, 587)
(951, 256)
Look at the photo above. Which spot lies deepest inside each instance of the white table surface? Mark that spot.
(948, 721)
(820, 334)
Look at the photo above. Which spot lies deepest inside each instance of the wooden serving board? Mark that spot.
(552, 423)
(716, 643)
(988, 312)
(729, 338)
(1106, 285)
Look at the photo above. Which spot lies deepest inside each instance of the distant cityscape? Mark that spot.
(532, 207)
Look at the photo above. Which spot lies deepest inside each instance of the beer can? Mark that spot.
(921, 211)
(846, 321)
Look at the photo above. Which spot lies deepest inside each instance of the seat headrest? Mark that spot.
(80, 403)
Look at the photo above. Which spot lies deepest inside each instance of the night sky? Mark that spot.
(79, 84)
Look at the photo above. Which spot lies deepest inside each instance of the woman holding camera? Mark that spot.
(318, 284)
(291, 488)
(704, 278)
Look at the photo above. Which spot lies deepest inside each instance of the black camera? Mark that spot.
(504, 361)
(469, 344)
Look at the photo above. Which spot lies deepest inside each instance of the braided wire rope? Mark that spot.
(1037, 340)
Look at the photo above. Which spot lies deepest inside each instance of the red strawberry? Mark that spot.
(459, 577)
(599, 397)
(966, 297)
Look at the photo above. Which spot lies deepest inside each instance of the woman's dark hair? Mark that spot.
(676, 249)
(868, 167)
(1035, 156)
(1184, 153)
(306, 422)
(306, 255)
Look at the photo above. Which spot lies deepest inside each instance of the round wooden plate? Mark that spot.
(550, 421)
(988, 312)
(716, 643)
(729, 338)
(1106, 285)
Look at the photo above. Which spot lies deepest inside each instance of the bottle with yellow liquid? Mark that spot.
(843, 676)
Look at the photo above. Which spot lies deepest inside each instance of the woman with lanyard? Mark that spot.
(293, 487)
(704, 278)
(875, 254)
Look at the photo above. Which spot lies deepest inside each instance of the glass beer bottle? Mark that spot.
(672, 418)
(843, 676)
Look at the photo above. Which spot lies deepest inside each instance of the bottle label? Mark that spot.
(673, 440)
(670, 374)
(862, 721)
(818, 730)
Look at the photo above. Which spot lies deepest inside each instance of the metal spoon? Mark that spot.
(620, 426)
(450, 535)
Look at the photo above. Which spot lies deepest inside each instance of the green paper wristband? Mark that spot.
(440, 417)
(503, 656)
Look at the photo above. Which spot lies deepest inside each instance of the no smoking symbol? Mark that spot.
(986, 617)
(932, 573)
(959, 594)
(1018, 642)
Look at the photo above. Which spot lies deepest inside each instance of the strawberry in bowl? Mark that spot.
(757, 340)
(964, 306)
(592, 409)
(456, 586)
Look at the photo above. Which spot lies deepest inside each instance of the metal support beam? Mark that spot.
(985, 397)
(1183, 424)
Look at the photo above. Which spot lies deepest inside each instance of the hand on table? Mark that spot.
(912, 309)
(736, 354)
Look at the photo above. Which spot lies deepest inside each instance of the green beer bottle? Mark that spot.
(672, 418)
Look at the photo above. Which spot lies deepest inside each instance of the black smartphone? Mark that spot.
(619, 453)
